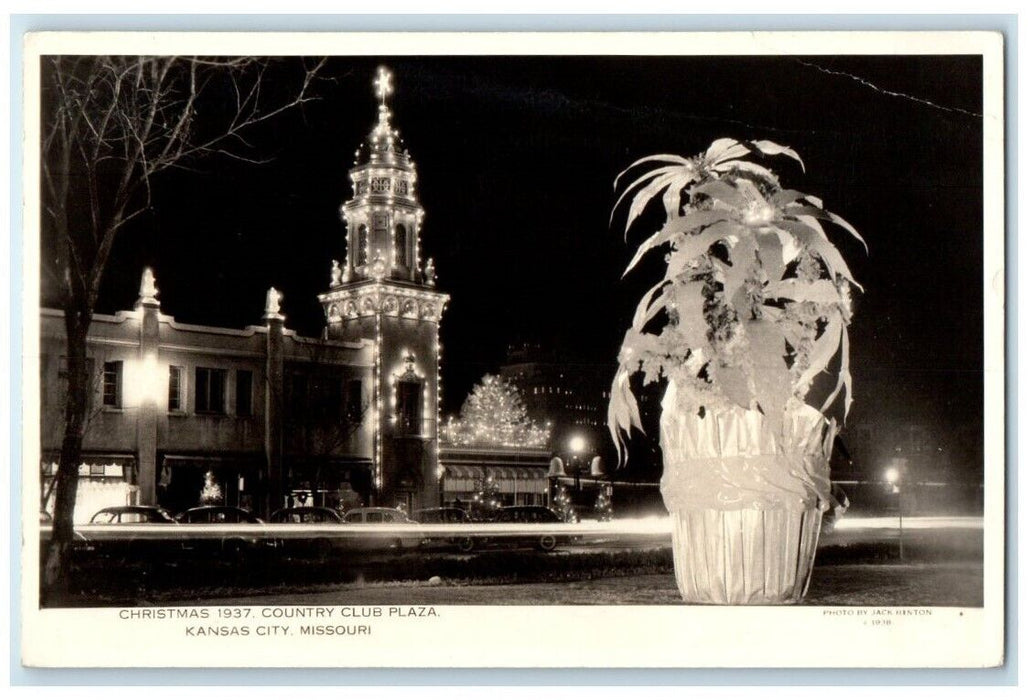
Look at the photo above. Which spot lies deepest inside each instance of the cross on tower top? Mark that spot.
(383, 84)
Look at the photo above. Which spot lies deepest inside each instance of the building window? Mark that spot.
(362, 245)
(402, 253)
(296, 392)
(112, 384)
(210, 390)
(174, 388)
(328, 395)
(380, 227)
(244, 392)
(408, 407)
(354, 401)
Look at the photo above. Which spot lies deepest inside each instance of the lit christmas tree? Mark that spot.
(210, 494)
(603, 508)
(486, 499)
(562, 504)
(494, 414)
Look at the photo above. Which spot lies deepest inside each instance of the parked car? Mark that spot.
(317, 547)
(447, 516)
(376, 515)
(531, 515)
(136, 549)
(305, 514)
(131, 515)
(384, 516)
(214, 515)
(234, 548)
(441, 515)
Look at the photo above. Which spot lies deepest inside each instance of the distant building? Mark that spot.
(905, 453)
(572, 397)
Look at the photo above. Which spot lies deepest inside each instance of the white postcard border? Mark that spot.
(647, 637)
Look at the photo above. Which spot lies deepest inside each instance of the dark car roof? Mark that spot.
(130, 509)
(445, 515)
(513, 512)
(250, 517)
(330, 514)
(163, 515)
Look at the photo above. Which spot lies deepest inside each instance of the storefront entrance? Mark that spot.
(186, 482)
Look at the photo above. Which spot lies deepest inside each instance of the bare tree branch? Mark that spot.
(110, 124)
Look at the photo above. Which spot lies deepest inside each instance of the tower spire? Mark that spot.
(383, 84)
(383, 293)
(383, 137)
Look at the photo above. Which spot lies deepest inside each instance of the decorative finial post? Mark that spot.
(337, 274)
(272, 305)
(148, 289)
(430, 272)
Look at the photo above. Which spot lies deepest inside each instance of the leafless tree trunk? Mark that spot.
(110, 124)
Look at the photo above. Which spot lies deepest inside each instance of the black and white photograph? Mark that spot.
(344, 343)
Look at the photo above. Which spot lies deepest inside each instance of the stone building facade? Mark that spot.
(271, 416)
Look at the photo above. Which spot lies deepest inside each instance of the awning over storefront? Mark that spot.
(466, 471)
(104, 466)
(465, 478)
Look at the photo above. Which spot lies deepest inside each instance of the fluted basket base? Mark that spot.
(744, 557)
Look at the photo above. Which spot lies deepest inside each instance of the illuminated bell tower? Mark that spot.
(384, 292)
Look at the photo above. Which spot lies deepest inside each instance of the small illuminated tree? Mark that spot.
(486, 500)
(210, 494)
(562, 504)
(494, 414)
(603, 508)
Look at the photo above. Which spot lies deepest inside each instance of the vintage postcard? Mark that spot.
(513, 350)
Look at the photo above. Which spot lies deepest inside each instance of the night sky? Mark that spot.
(516, 159)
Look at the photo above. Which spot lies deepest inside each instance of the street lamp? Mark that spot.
(892, 477)
(144, 382)
(577, 446)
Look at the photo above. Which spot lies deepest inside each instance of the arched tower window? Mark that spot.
(409, 389)
(380, 229)
(362, 245)
(402, 246)
(408, 406)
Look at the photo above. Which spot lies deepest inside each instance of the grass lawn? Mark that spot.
(956, 584)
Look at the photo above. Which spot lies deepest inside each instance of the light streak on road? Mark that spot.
(655, 527)
(915, 523)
